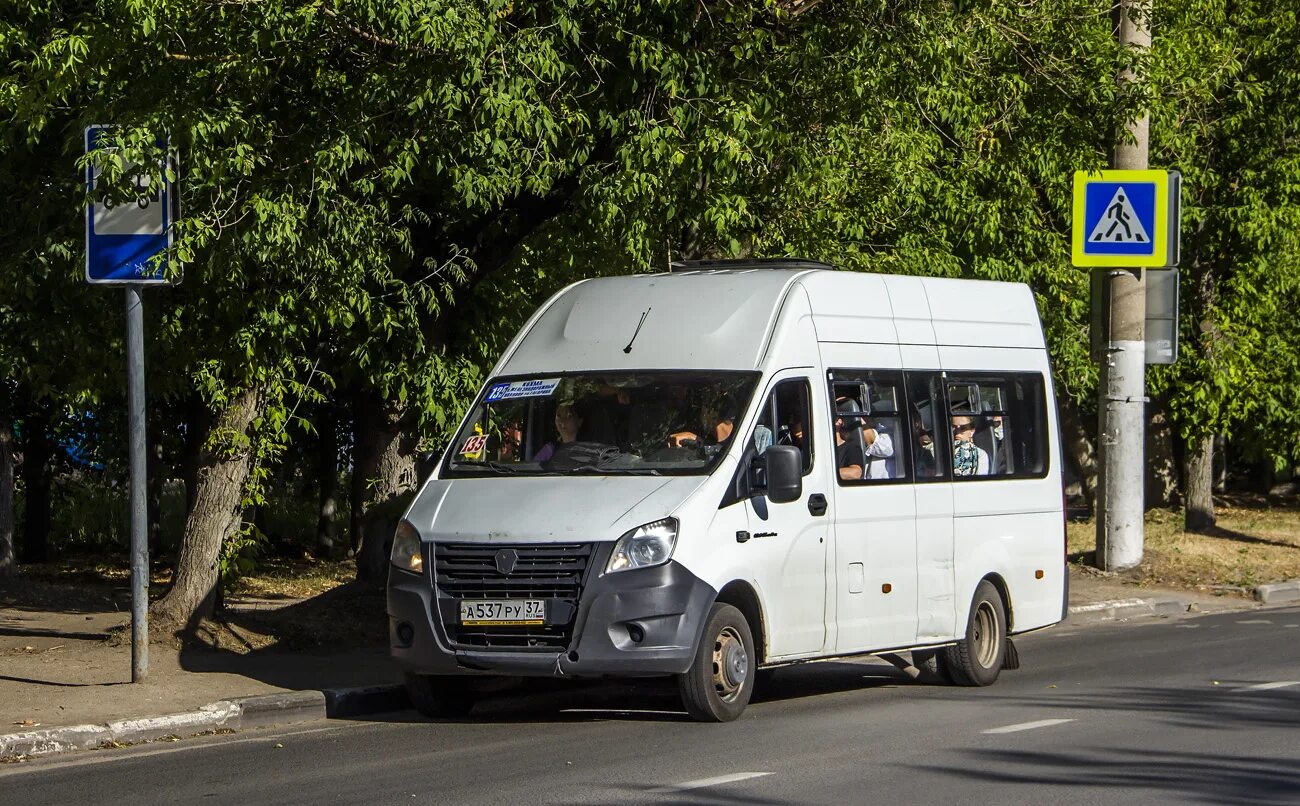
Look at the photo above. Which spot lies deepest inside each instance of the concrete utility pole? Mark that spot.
(1122, 409)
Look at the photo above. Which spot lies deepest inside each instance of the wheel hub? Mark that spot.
(730, 664)
(984, 636)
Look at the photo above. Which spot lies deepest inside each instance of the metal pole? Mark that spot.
(1122, 405)
(139, 521)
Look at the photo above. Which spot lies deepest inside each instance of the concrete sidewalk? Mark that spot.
(64, 685)
(60, 668)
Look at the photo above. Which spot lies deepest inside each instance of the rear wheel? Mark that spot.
(976, 659)
(720, 681)
(440, 696)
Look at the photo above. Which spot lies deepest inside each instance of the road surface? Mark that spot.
(1188, 709)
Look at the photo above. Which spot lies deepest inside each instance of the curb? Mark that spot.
(1278, 592)
(1126, 609)
(341, 703)
(284, 708)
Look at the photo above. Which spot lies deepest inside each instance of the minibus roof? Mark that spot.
(723, 318)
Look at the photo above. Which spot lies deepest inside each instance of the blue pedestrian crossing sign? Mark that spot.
(1126, 219)
(124, 236)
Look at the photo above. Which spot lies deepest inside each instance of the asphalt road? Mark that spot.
(1195, 709)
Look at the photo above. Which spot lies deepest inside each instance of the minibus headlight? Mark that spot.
(408, 552)
(645, 546)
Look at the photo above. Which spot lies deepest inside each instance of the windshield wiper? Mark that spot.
(496, 467)
(613, 471)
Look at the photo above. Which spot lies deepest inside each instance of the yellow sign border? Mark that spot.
(1159, 257)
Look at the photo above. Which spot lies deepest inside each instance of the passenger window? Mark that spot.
(998, 425)
(868, 419)
(928, 434)
(785, 420)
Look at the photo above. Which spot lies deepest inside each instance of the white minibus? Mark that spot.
(736, 466)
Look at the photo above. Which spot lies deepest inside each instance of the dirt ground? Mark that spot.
(1249, 546)
(65, 654)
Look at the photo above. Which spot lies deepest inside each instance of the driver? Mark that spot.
(721, 420)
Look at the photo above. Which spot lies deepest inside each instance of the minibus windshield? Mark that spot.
(651, 423)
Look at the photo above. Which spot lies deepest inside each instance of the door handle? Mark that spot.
(817, 504)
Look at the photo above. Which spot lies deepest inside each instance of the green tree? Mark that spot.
(1225, 96)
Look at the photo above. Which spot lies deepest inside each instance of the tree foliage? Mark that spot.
(1226, 98)
(376, 194)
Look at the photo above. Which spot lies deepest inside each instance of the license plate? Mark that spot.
(491, 612)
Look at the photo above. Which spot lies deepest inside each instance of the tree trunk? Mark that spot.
(327, 477)
(1199, 516)
(1162, 469)
(362, 460)
(6, 499)
(383, 471)
(1080, 450)
(154, 470)
(36, 489)
(198, 425)
(215, 516)
(1221, 466)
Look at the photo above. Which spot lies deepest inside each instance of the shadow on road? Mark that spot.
(1114, 772)
(1226, 707)
(545, 700)
(1214, 776)
(339, 638)
(335, 639)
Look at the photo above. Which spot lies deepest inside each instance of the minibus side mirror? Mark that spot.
(784, 473)
(426, 464)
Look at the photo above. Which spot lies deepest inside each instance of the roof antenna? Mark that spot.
(628, 348)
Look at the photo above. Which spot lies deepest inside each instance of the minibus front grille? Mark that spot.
(551, 571)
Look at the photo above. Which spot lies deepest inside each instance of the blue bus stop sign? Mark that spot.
(122, 238)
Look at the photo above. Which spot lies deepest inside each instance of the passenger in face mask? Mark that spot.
(968, 459)
(927, 465)
(1001, 456)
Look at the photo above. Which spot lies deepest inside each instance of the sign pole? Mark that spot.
(139, 520)
(125, 235)
(1122, 409)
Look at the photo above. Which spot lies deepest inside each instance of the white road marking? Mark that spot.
(1042, 723)
(706, 782)
(1256, 621)
(1269, 686)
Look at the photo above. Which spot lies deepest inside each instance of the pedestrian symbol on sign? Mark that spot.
(1126, 219)
(1120, 224)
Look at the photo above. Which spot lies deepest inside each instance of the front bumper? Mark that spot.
(666, 605)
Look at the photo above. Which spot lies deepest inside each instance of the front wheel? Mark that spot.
(977, 658)
(720, 681)
(930, 666)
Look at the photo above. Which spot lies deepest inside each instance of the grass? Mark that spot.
(1249, 546)
(294, 579)
(274, 578)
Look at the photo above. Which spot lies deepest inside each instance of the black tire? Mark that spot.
(976, 659)
(720, 681)
(440, 696)
(929, 662)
